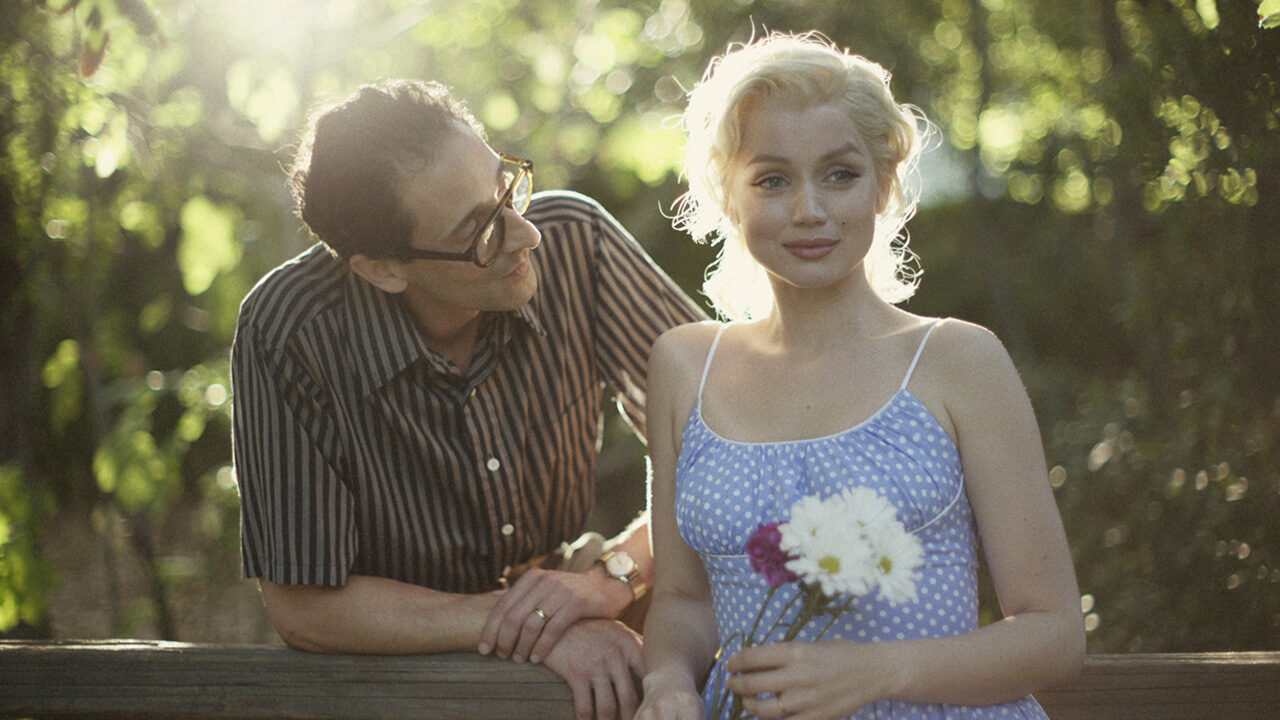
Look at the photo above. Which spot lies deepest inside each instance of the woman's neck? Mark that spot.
(812, 319)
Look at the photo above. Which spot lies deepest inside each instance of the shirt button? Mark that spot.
(493, 464)
(508, 529)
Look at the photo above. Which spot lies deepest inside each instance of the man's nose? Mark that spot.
(521, 234)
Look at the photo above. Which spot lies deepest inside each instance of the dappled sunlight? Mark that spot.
(1104, 198)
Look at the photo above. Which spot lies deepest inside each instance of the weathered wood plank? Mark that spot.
(1192, 686)
(153, 680)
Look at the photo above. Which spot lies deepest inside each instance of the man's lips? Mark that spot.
(811, 248)
(520, 268)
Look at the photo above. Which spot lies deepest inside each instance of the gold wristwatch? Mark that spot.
(619, 565)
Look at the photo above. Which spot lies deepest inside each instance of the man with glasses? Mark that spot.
(418, 401)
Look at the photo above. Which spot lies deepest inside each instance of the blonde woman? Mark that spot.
(799, 160)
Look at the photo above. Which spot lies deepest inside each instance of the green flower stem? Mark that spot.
(722, 694)
(840, 611)
(814, 603)
(777, 623)
(749, 640)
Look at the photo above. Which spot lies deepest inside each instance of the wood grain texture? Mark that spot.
(153, 680)
(1193, 686)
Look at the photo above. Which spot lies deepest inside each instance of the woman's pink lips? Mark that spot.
(811, 248)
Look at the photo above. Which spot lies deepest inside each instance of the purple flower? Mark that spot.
(767, 558)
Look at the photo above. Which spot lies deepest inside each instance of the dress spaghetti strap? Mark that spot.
(960, 486)
(914, 360)
(706, 366)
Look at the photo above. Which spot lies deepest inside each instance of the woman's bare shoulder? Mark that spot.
(970, 370)
(959, 347)
(675, 371)
(684, 346)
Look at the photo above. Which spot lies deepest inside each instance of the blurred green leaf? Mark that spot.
(1103, 203)
(208, 245)
(266, 94)
(25, 577)
(1269, 13)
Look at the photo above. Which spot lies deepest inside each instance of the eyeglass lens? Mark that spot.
(491, 242)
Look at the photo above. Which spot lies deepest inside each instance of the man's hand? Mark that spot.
(534, 614)
(601, 661)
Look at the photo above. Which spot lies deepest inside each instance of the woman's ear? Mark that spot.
(386, 275)
(728, 209)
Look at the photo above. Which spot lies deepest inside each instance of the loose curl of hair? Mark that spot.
(356, 154)
(805, 71)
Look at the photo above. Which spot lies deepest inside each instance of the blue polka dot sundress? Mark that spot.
(725, 489)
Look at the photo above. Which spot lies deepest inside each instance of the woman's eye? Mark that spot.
(843, 176)
(771, 182)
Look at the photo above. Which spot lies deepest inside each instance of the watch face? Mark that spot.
(620, 564)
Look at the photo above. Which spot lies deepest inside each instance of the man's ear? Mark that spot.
(386, 275)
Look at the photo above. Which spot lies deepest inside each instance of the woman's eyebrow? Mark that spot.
(778, 159)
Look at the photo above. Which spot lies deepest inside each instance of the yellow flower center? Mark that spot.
(830, 564)
(886, 565)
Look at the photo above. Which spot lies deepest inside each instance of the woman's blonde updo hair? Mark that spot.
(804, 71)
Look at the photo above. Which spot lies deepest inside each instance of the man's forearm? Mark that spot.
(375, 615)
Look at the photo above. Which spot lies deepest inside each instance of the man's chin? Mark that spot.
(520, 295)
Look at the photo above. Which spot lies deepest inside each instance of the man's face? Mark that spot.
(449, 200)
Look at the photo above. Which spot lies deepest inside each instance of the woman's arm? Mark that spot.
(1039, 642)
(680, 638)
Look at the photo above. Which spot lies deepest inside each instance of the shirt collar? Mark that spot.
(385, 339)
(529, 315)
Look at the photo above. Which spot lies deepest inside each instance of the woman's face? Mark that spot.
(802, 191)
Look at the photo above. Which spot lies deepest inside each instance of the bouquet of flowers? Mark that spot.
(836, 550)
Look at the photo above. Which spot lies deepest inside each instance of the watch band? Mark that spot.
(621, 566)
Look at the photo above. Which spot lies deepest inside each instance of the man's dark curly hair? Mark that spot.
(356, 154)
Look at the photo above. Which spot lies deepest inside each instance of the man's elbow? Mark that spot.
(296, 619)
(299, 636)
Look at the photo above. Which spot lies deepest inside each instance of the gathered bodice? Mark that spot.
(725, 489)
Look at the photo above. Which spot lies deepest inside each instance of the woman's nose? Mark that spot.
(808, 208)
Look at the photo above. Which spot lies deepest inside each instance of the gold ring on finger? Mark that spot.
(542, 614)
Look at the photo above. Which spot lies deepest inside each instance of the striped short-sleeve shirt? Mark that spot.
(358, 450)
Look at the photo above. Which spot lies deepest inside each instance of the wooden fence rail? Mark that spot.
(161, 680)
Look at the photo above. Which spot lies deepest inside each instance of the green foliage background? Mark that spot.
(1105, 198)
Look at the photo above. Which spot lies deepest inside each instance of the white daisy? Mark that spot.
(868, 509)
(898, 553)
(839, 563)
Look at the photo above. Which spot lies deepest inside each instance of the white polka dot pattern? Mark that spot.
(725, 489)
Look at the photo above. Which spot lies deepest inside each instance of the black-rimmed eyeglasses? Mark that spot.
(487, 242)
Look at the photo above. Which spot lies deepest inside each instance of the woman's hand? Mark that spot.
(811, 680)
(670, 698)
